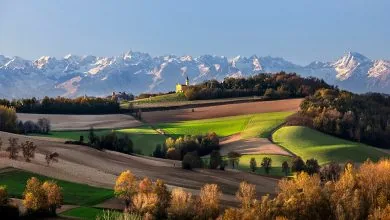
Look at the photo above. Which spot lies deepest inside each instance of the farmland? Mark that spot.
(74, 193)
(309, 143)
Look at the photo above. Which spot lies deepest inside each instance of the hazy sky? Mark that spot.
(298, 30)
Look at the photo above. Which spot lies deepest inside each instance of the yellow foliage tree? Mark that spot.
(210, 195)
(181, 206)
(126, 187)
(35, 198)
(3, 195)
(53, 194)
(246, 194)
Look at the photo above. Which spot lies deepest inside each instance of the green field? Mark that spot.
(74, 193)
(277, 161)
(252, 125)
(174, 97)
(86, 213)
(309, 143)
(144, 138)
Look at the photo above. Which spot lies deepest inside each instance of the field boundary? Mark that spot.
(270, 138)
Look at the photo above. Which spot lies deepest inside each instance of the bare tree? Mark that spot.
(28, 149)
(44, 125)
(51, 157)
(13, 148)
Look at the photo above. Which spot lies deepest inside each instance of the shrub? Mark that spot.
(3, 196)
(51, 157)
(191, 160)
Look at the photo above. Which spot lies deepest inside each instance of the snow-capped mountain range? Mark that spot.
(138, 72)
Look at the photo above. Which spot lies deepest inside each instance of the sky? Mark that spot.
(300, 31)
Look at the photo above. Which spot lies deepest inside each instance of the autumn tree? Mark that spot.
(13, 148)
(28, 149)
(164, 198)
(3, 196)
(126, 187)
(210, 195)
(266, 164)
(253, 164)
(285, 168)
(53, 195)
(181, 206)
(35, 199)
(246, 194)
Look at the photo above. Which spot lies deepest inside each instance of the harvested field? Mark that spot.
(222, 111)
(84, 122)
(98, 168)
(250, 146)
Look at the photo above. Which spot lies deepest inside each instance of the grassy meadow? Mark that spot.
(277, 160)
(255, 125)
(309, 143)
(74, 193)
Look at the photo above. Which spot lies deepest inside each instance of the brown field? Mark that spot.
(221, 111)
(84, 122)
(250, 146)
(99, 168)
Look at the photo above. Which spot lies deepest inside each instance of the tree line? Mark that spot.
(354, 193)
(358, 117)
(61, 105)
(273, 86)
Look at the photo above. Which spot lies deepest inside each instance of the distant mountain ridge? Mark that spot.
(138, 72)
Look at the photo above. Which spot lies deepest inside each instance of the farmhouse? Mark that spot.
(180, 88)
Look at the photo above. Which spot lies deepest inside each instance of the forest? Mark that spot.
(359, 117)
(61, 105)
(273, 86)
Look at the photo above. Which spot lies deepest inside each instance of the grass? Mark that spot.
(277, 160)
(74, 193)
(309, 143)
(144, 138)
(252, 125)
(174, 97)
(87, 213)
(261, 125)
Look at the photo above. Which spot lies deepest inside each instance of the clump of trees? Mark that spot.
(358, 117)
(176, 149)
(42, 199)
(272, 86)
(61, 105)
(154, 200)
(111, 141)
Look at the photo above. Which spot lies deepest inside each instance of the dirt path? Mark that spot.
(84, 122)
(221, 111)
(98, 168)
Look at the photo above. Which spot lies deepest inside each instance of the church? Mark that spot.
(180, 88)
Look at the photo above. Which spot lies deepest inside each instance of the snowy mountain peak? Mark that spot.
(138, 72)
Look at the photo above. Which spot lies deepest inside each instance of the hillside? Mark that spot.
(308, 143)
